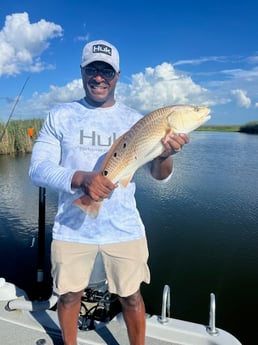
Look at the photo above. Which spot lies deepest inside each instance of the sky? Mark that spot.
(171, 52)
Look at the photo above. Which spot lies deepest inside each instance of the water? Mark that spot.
(202, 229)
(19, 225)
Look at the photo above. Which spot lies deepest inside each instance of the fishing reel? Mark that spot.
(95, 307)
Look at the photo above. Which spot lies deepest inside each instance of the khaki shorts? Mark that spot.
(125, 265)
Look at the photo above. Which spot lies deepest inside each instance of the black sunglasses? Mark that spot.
(107, 73)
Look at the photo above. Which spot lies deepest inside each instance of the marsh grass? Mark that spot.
(250, 128)
(15, 137)
(222, 128)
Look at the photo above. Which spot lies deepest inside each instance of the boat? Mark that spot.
(35, 322)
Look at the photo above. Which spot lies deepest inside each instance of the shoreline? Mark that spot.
(18, 136)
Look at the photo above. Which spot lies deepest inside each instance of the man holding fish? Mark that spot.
(88, 150)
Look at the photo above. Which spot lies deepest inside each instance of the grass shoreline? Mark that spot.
(250, 127)
(19, 135)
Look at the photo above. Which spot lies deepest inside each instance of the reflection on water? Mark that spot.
(19, 223)
(202, 228)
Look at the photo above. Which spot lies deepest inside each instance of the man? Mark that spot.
(71, 145)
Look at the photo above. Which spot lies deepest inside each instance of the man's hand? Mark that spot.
(173, 143)
(162, 166)
(93, 184)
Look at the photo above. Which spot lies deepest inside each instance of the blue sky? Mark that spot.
(172, 52)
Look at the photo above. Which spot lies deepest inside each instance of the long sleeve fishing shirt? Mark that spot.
(76, 136)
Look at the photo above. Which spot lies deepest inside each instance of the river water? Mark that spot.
(202, 229)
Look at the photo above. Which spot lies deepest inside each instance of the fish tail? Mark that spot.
(87, 205)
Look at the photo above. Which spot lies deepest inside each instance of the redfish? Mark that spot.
(142, 143)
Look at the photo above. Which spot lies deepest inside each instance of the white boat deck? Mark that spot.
(41, 327)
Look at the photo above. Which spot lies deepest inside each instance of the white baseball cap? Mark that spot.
(100, 51)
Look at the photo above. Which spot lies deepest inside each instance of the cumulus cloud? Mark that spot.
(22, 43)
(40, 104)
(241, 98)
(154, 88)
(161, 86)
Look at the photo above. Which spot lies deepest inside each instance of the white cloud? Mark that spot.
(84, 38)
(40, 104)
(200, 60)
(161, 86)
(22, 43)
(241, 98)
(242, 74)
(252, 59)
(155, 88)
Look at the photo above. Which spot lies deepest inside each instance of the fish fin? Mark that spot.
(87, 205)
(125, 180)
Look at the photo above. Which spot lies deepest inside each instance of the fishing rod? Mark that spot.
(12, 111)
(41, 239)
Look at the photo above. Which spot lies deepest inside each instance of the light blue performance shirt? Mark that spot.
(76, 136)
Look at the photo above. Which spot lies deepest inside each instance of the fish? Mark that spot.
(141, 144)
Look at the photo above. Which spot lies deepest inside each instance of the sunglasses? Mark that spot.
(106, 73)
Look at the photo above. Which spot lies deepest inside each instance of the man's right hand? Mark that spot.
(93, 184)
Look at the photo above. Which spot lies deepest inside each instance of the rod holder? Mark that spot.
(165, 311)
(211, 329)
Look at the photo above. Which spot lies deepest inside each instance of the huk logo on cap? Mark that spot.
(101, 48)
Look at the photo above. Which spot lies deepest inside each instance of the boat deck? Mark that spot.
(20, 325)
(23, 327)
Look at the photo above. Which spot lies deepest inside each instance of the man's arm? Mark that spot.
(45, 169)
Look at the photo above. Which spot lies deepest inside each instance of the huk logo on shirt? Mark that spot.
(95, 139)
(102, 48)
